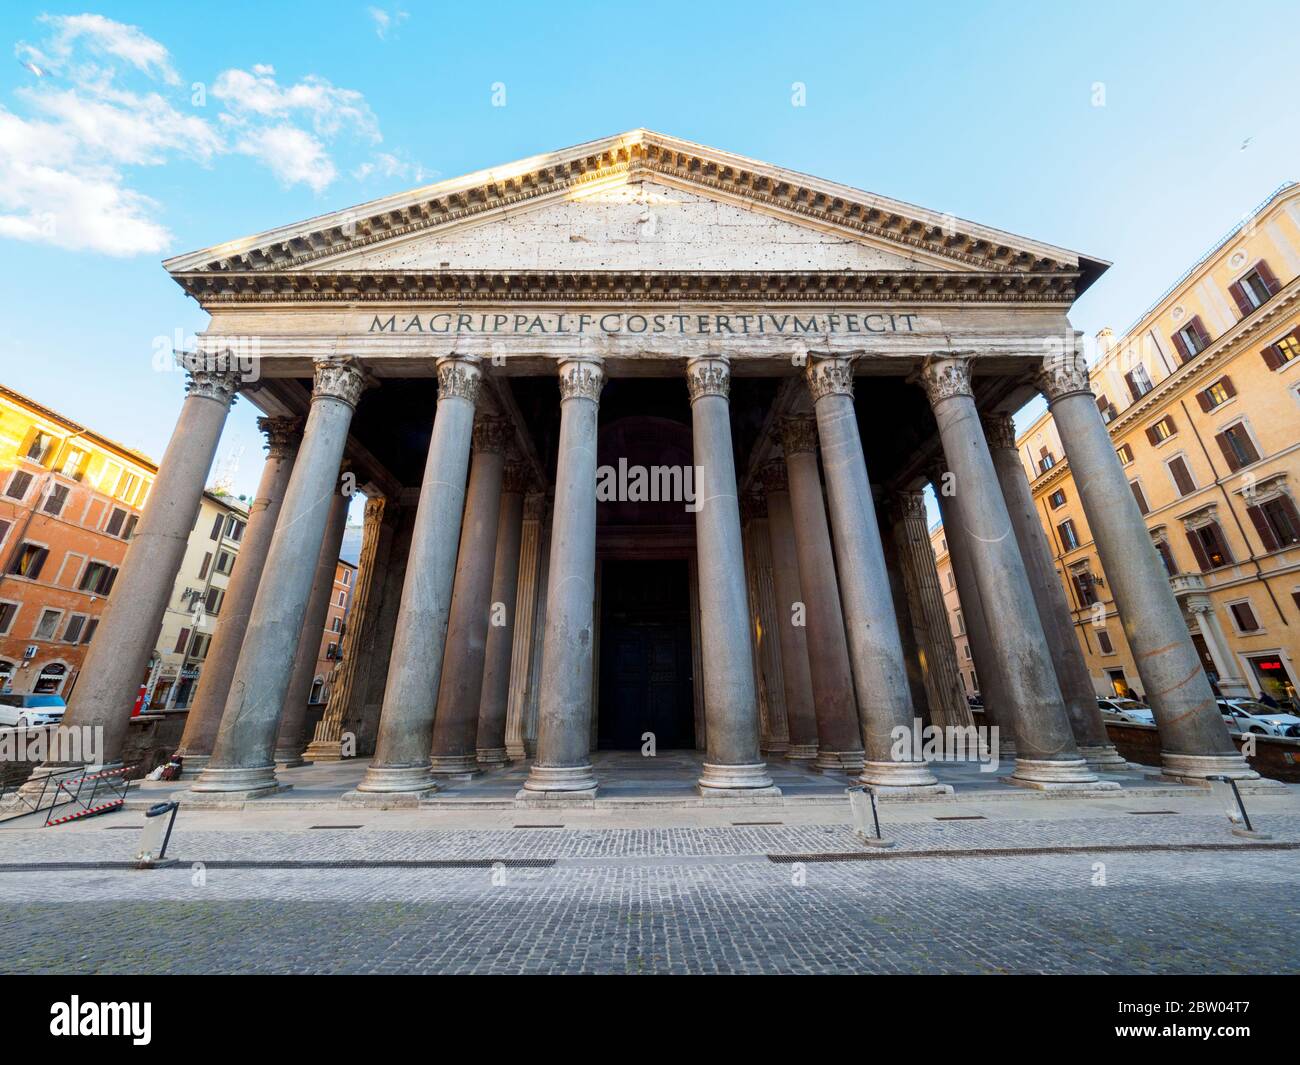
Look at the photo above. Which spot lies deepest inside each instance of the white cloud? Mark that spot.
(66, 155)
(389, 165)
(386, 22)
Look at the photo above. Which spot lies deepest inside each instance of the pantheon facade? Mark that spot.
(643, 428)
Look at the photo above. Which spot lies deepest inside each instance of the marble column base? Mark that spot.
(1106, 758)
(801, 752)
(1065, 774)
(244, 782)
(391, 780)
(559, 782)
(777, 749)
(193, 764)
(1194, 768)
(493, 756)
(454, 766)
(290, 759)
(736, 781)
(902, 778)
(324, 751)
(838, 761)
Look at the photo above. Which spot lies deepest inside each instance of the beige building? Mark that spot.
(195, 603)
(952, 602)
(331, 641)
(1202, 401)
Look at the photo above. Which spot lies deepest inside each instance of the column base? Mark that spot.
(801, 752)
(1057, 774)
(839, 761)
(324, 751)
(1195, 768)
(396, 780)
(1106, 759)
(492, 757)
(736, 781)
(453, 766)
(776, 749)
(902, 778)
(515, 753)
(565, 782)
(226, 784)
(290, 759)
(193, 764)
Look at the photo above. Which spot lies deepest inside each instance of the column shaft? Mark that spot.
(525, 629)
(116, 662)
(801, 717)
(460, 689)
(243, 755)
(291, 738)
(1193, 738)
(494, 703)
(1046, 754)
(839, 738)
(732, 763)
(204, 718)
(401, 761)
(563, 767)
(875, 650)
(1049, 598)
(775, 735)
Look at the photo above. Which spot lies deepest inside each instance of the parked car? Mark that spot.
(1126, 711)
(23, 711)
(1247, 715)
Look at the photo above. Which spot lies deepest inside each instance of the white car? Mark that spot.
(1126, 711)
(1247, 715)
(31, 711)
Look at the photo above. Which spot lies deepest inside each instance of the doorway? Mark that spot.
(645, 655)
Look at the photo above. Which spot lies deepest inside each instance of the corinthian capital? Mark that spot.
(946, 376)
(829, 377)
(339, 377)
(282, 435)
(581, 379)
(999, 430)
(459, 377)
(799, 433)
(1063, 375)
(708, 376)
(214, 383)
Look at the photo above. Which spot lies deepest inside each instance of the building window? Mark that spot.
(1085, 586)
(1125, 454)
(1254, 289)
(29, 561)
(1138, 381)
(128, 530)
(40, 447)
(317, 691)
(47, 625)
(1103, 641)
(335, 624)
(213, 601)
(217, 527)
(89, 634)
(207, 561)
(98, 578)
(1162, 430)
(1107, 408)
(961, 624)
(1167, 557)
(1192, 339)
(1217, 394)
(51, 678)
(199, 646)
(1237, 447)
(182, 638)
(8, 611)
(1243, 616)
(18, 484)
(1069, 538)
(1057, 499)
(1277, 522)
(347, 574)
(1284, 351)
(72, 633)
(1181, 475)
(1046, 460)
(225, 562)
(130, 483)
(1139, 496)
(343, 598)
(1209, 547)
(74, 463)
(115, 522)
(952, 580)
(55, 500)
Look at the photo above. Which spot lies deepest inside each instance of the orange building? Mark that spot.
(331, 644)
(70, 500)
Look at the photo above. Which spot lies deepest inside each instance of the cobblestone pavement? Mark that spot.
(652, 900)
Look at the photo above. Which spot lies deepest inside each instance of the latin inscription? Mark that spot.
(618, 323)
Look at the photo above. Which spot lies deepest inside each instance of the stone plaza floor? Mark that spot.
(993, 880)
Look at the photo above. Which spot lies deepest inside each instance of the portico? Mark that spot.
(481, 352)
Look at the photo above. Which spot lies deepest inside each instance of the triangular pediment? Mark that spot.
(639, 202)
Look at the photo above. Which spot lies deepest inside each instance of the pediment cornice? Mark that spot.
(941, 241)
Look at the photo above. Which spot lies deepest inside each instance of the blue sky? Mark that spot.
(1136, 132)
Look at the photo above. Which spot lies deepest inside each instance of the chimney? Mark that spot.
(1105, 339)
